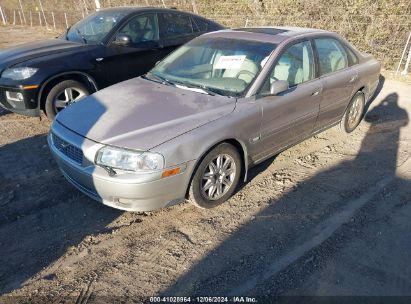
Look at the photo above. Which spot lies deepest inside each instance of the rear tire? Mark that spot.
(62, 95)
(216, 178)
(353, 114)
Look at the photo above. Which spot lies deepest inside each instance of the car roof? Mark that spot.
(133, 9)
(269, 34)
(141, 9)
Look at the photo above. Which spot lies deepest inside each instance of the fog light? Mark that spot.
(14, 96)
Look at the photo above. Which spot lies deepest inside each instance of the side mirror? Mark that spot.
(122, 40)
(278, 87)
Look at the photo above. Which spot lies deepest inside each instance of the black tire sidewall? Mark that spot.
(49, 106)
(344, 121)
(195, 195)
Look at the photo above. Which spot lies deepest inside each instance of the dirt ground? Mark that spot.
(330, 216)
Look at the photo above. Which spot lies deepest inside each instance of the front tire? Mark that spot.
(216, 178)
(62, 95)
(353, 114)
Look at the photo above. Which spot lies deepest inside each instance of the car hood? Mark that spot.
(27, 51)
(141, 114)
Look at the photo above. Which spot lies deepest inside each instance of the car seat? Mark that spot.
(246, 72)
(337, 61)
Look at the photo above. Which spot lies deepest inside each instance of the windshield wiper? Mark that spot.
(81, 36)
(208, 90)
(161, 79)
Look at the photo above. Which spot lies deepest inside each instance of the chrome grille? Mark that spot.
(69, 150)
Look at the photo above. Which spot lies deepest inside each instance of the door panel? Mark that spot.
(337, 92)
(125, 62)
(338, 80)
(290, 115)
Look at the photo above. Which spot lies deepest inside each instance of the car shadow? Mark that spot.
(42, 215)
(380, 85)
(4, 112)
(282, 244)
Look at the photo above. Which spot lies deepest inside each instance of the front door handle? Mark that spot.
(315, 93)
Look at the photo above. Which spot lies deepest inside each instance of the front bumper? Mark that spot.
(27, 106)
(125, 191)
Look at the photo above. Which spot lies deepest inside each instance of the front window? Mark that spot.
(94, 28)
(219, 65)
(295, 65)
(141, 28)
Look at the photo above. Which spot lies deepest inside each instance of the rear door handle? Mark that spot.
(315, 93)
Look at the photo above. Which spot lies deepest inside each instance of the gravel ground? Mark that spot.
(327, 217)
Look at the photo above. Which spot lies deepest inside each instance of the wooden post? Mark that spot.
(194, 5)
(85, 6)
(21, 19)
(54, 21)
(65, 17)
(407, 63)
(14, 17)
(31, 19)
(97, 2)
(403, 53)
(2, 16)
(22, 12)
(44, 16)
(40, 19)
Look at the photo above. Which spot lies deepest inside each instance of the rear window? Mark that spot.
(332, 56)
(175, 25)
(351, 56)
(201, 25)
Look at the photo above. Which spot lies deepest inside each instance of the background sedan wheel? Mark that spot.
(63, 95)
(353, 114)
(216, 177)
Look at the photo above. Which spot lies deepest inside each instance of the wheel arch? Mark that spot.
(241, 148)
(47, 85)
(362, 89)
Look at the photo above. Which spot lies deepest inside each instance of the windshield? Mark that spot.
(220, 65)
(93, 29)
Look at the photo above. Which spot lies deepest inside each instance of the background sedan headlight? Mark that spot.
(19, 73)
(128, 160)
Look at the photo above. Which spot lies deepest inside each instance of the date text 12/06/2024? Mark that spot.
(203, 300)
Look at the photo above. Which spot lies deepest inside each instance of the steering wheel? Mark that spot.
(246, 72)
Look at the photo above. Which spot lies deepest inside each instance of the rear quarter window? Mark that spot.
(202, 25)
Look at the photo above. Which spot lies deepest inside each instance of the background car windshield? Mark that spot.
(95, 27)
(226, 66)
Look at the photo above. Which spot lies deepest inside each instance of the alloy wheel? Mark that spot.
(218, 177)
(67, 97)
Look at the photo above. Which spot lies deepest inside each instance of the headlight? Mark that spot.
(129, 160)
(19, 73)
